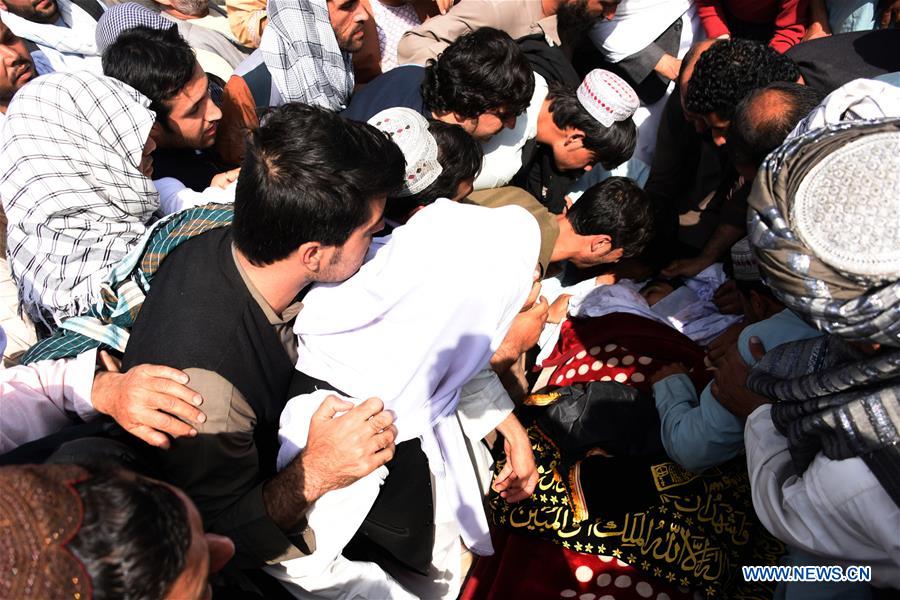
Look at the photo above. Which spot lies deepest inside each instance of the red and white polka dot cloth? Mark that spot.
(620, 347)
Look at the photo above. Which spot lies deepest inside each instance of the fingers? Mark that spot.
(109, 362)
(381, 421)
(151, 436)
(502, 479)
(714, 390)
(165, 423)
(330, 407)
(164, 373)
(757, 350)
(532, 296)
(168, 400)
(368, 409)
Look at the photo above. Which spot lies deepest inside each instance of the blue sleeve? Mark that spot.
(695, 435)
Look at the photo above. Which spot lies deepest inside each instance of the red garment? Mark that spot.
(787, 16)
(621, 347)
(528, 567)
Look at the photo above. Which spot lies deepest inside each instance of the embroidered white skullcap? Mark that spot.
(607, 97)
(744, 261)
(409, 130)
(847, 208)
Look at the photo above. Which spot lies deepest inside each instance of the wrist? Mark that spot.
(314, 485)
(102, 391)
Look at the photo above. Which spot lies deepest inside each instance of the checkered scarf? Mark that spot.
(108, 322)
(302, 54)
(70, 185)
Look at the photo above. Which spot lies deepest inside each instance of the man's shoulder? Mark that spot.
(398, 87)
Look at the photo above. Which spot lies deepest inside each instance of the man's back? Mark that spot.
(398, 87)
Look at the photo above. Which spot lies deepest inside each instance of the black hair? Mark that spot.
(479, 72)
(134, 538)
(309, 175)
(757, 130)
(460, 157)
(729, 70)
(156, 62)
(619, 208)
(611, 146)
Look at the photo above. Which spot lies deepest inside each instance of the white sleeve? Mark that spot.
(40, 398)
(835, 508)
(483, 404)
(175, 196)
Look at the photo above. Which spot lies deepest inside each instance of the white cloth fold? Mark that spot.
(857, 100)
(635, 26)
(419, 320)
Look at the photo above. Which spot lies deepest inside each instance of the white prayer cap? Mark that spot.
(409, 130)
(607, 97)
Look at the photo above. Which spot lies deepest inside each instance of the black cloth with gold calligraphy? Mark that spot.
(694, 530)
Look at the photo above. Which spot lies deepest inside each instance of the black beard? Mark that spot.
(573, 22)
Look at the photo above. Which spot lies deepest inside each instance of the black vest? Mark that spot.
(201, 315)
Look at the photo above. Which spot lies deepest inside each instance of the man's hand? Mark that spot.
(728, 299)
(668, 67)
(717, 348)
(890, 14)
(523, 335)
(668, 371)
(517, 479)
(146, 400)
(343, 448)
(730, 385)
(223, 180)
(444, 5)
(559, 309)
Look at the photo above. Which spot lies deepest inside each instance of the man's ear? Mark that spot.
(574, 137)
(311, 256)
(3, 5)
(164, 2)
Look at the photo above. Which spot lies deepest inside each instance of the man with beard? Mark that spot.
(304, 56)
(560, 21)
(63, 29)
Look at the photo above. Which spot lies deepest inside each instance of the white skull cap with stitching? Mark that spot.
(607, 97)
(409, 130)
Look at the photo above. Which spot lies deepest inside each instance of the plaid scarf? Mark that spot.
(108, 322)
(301, 53)
(71, 187)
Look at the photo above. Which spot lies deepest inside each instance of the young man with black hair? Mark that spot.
(611, 221)
(310, 197)
(160, 64)
(561, 137)
(727, 72)
(481, 82)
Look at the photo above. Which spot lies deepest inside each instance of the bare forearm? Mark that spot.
(286, 498)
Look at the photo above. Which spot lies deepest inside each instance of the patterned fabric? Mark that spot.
(301, 52)
(108, 322)
(392, 22)
(41, 512)
(527, 567)
(629, 502)
(685, 529)
(823, 218)
(71, 187)
(121, 17)
(830, 399)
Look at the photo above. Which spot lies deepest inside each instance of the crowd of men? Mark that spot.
(302, 298)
